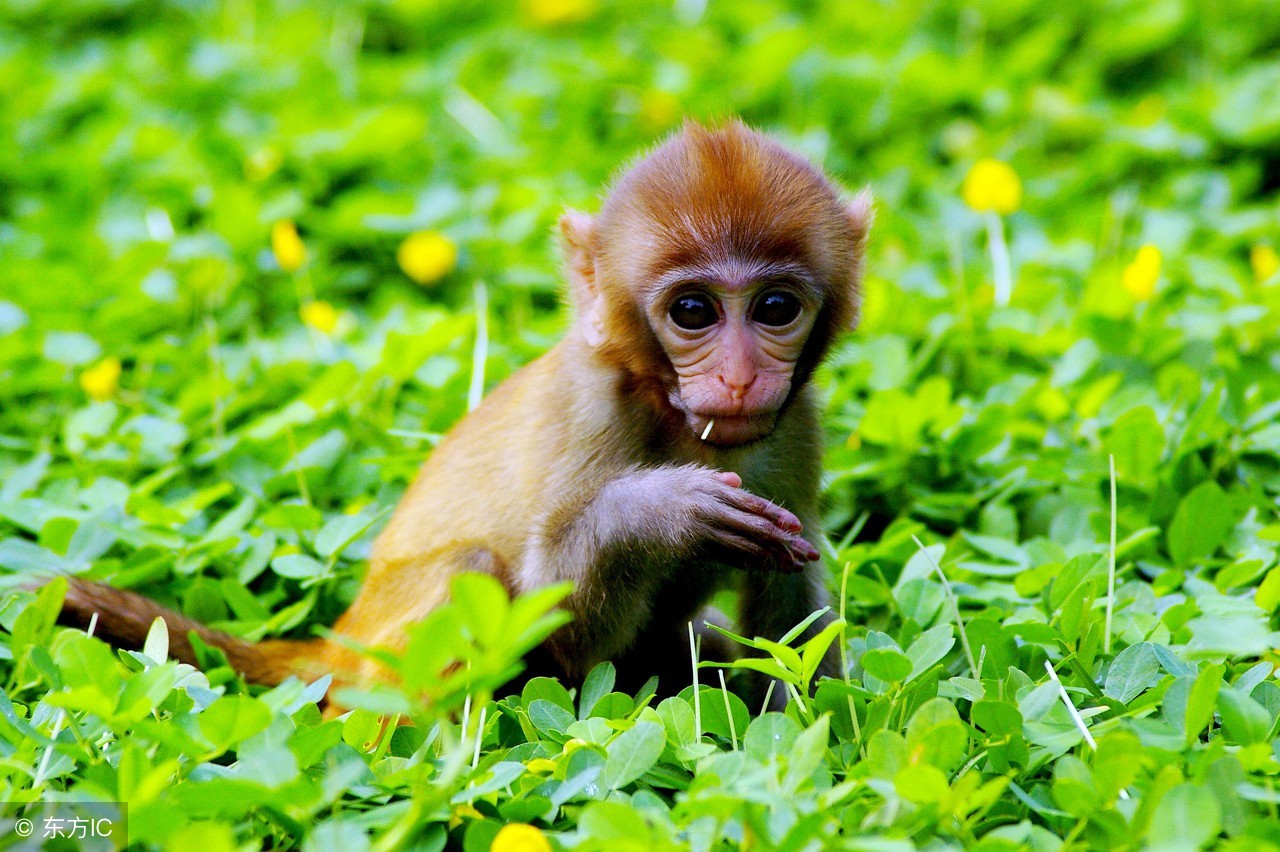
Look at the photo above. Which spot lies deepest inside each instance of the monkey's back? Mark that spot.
(480, 494)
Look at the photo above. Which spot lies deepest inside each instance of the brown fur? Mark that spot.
(583, 465)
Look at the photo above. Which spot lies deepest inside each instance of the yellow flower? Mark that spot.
(559, 11)
(519, 837)
(992, 185)
(1265, 262)
(1141, 275)
(854, 441)
(287, 246)
(321, 316)
(541, 766)
(427, 256)
(102, 380)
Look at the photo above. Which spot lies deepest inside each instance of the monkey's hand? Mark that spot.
(742, 529)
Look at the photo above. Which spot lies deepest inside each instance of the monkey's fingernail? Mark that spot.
(729, 478)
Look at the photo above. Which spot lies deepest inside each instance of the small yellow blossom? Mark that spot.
(1141, 275)
(549, 12)
(519, 837)
(541, 766)
(427, 256)
(854, 441)
(102, 380)
(1265, 262)
(992, 185)
(321, 316)
(287, 246)
(463, 812)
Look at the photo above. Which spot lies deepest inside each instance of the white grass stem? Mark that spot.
(728, 710)
(768, 696)
(697, 690)
(480, 354)
(1075, 714)
(844, 654)
(1071, 708)
(955, 608)
(1001, 267)
(475, 757)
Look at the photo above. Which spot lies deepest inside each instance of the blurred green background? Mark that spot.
(244, 248)
(152, 335)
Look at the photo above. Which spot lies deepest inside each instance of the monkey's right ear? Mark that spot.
(578, 241)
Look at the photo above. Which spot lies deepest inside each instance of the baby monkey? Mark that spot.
(666, 448)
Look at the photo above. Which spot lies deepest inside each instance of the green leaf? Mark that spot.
(1187, 817)
(482, 603)
(157, 644)
(1244, 720)
(935, 734)
(807, 754)
(1136, 439)
(297, 566)
(1134, 670)
(887, 664)
(930, 648)
(770, 735)
(1200, 523)
(550, 719)
(599, 683)
(232, 719)
(921, 784)
(1202, 699)
(633, 753)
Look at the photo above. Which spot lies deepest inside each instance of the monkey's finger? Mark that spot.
(757, 505)
(804, 551)
(735, 549)
(788, 551)
(729, 478)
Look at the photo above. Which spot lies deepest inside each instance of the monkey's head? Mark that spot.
(720, 269)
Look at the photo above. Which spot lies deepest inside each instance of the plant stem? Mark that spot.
(999, 258)
(480, 354)
(1111, 567)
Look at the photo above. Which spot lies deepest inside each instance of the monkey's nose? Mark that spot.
(737, 387)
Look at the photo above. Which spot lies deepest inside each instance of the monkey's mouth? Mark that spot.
(732, 430)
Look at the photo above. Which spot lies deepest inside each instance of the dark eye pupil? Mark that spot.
(692, 312)
(776, 309)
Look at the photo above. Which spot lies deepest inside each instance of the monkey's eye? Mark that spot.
(693, 312)
(776, 309)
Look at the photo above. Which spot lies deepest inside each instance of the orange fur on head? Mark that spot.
(711, 194)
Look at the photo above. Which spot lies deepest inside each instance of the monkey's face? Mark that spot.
(733, 337)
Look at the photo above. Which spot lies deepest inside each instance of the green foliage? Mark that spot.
(199, 402)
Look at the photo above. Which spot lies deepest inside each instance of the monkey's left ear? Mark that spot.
(861, 212)
(578, 240)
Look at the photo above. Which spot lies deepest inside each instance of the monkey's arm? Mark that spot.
(623, 542)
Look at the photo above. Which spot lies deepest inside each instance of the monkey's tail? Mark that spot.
(124, 618)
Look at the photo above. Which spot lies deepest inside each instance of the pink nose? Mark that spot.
(737, 385)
